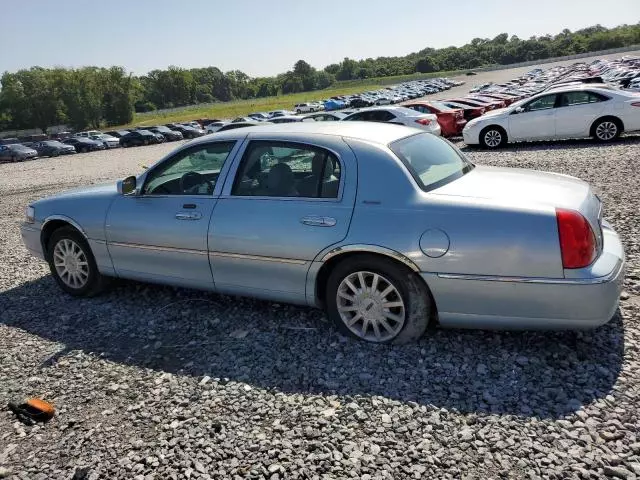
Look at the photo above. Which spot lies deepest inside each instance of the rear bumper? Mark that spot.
(520, 303)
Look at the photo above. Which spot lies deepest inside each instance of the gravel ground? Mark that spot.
(155, 382)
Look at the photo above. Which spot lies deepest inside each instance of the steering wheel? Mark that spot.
(190, 181)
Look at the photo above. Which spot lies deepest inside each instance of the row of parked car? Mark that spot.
(598, 99)
(19, 149)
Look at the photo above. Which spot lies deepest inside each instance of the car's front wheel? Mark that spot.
(72, 264)
(377, 300)
(493, 137)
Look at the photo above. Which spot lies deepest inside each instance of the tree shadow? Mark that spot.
(292, 349)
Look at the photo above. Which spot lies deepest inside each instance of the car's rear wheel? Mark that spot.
(493, 137)
(606, 129)
(376, 300)
(72, 263)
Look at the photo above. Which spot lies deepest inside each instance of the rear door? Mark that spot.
(577, 111)
(537, 121)
(284, 202)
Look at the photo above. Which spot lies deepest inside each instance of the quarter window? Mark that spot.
(194, 171)
(285, 169)
(542, 103)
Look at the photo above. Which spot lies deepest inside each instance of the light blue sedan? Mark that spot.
(385, 227)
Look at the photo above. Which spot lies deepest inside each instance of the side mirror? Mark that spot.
(127, 186)
(519, 110)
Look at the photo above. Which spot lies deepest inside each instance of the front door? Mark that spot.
(160, 233)
(287, 203)
(537, 120)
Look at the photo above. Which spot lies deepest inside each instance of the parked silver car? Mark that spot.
(386, 227)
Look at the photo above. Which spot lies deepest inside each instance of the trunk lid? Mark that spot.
(516, 185)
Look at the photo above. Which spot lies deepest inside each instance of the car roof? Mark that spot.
(369, 131)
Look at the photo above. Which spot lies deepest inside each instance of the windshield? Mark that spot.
(432, 161)
(162, 129)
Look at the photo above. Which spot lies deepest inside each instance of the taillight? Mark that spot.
(635, 104)
(577, 241)
(423, 121)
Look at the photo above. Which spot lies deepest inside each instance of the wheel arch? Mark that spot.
(613, 118)
(331, 259)
(53, 223)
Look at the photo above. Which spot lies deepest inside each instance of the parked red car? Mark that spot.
(476, 103)
(451, 120)
(469, 112)
(505, 98)
(501, 103)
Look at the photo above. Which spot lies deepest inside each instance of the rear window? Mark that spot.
(432, 161)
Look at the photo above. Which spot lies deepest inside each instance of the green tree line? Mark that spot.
(92, 96)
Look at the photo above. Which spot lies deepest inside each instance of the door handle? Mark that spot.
(318, 221)
(188, 216)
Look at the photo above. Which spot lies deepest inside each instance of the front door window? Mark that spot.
(193, 171)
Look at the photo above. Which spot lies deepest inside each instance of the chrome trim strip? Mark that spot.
(156, 248)
(65, 219)
(548, 281)
(370, 249)
(99, 242)
(258, 257)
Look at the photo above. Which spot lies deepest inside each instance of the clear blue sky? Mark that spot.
(265, 37)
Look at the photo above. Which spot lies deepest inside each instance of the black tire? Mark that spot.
(606, 129)
(493, 137)
(85, 149)
(95, 282)
(145, 142)
(413, 292)
(55, 153)
(14, 158)
(298, 111)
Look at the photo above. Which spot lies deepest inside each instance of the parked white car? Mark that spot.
(107, 140)
(87, 134)
(305, 108)
(398, 115)
(214, 127)
(577, 111)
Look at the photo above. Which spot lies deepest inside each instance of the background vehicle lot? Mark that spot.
(128, 370)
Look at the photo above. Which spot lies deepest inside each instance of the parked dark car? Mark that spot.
(16, 152)
(9, 141)
(118, 133)
(52, 148)
(38, 137)
(166, 132)
(60, 135)
(138, 137)
(187, 131)
(82, 144)
(359, 102)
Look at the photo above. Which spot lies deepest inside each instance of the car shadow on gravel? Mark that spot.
(628, 139)
(292, 349)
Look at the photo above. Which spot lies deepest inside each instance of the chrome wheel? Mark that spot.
(492, 138)
(606, 130)
(370, 306)
(71, 263)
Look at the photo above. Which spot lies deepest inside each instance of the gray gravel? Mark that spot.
(155, 382)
